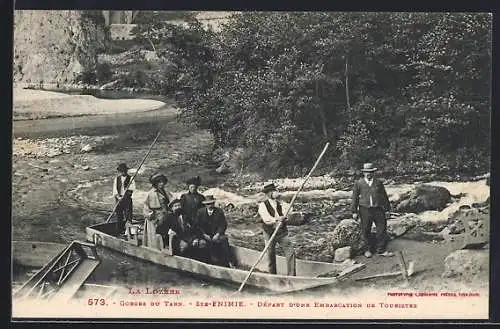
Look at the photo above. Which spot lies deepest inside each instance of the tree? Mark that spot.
(395, 87)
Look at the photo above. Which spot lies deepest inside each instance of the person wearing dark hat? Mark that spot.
(212, 223)
(156, 208)
(192, 200)
(370, 203)
(123, 187)
(272, 212)
(185, 238)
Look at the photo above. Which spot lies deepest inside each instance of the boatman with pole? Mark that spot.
(123, 187)
(272, 212)
(280, 220)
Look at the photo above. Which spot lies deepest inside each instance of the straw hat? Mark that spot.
(368, 167)
(209, 199)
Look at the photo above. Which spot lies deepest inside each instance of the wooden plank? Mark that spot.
(402, 266)
(380, 275)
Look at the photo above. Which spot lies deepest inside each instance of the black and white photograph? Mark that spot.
(251, 165)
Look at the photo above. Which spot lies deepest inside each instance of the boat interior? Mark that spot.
(244, 258)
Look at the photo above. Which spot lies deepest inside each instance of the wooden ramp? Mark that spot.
(62, 277)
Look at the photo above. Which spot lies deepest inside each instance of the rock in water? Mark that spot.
(424, 197)
(346, 234)
(466, 264)
(57, 46)
(86, 148)
(342, 254)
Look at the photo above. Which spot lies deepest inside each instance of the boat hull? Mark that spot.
(35, 253)
(307, 271)
(30, 257)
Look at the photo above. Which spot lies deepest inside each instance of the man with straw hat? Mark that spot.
(370, 203)
(123, 187)
(272, 212)
(213, 224)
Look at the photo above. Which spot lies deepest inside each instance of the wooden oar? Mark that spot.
(286, 214)
(135, 174)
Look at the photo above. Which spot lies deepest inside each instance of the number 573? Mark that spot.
(96, 301)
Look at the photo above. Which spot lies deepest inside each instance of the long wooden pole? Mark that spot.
(286, 214)
(133, 177)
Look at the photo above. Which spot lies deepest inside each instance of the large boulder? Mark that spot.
(471, 215)
(57, 46)
(346, 234)
(424, 197)
(399, 226)
(467, 264)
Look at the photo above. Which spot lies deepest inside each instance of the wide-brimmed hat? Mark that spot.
(122, 167)
(194, 181)
(209, 199)
(174, 201)
(368, 167)
(158, 177)
(269, 187)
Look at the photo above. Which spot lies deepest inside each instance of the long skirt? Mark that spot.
(149, 233)
(150, 227)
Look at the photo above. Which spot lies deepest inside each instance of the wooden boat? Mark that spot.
(54, 271)
(310, 274)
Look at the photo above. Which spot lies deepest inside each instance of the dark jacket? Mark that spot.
(361, 195)
(184, 232)
(216, 223)
(190, 203)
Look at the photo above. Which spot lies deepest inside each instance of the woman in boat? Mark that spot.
(156, 208)
(192, 200)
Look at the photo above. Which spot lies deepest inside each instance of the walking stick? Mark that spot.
(286, 214)
(135, 174)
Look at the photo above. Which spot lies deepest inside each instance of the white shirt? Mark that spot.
(131, 187)
(266, 217)
(370, 182)
(210, 211)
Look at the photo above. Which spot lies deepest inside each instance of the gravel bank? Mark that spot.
(38, 104)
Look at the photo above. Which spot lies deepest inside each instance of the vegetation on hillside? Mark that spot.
(410, 91)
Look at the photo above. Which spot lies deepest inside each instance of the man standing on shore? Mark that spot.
(123, 187)
(272, 212)
(370, 202)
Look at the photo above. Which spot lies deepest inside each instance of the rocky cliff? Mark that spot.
(57, 46)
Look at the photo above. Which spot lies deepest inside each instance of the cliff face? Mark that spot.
(57, 46)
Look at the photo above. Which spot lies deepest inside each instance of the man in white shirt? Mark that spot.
(123, 187)
(272, 212)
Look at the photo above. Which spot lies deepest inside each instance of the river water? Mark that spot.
(63, 222)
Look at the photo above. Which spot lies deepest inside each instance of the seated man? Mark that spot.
(186, 240)
(212, 223)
